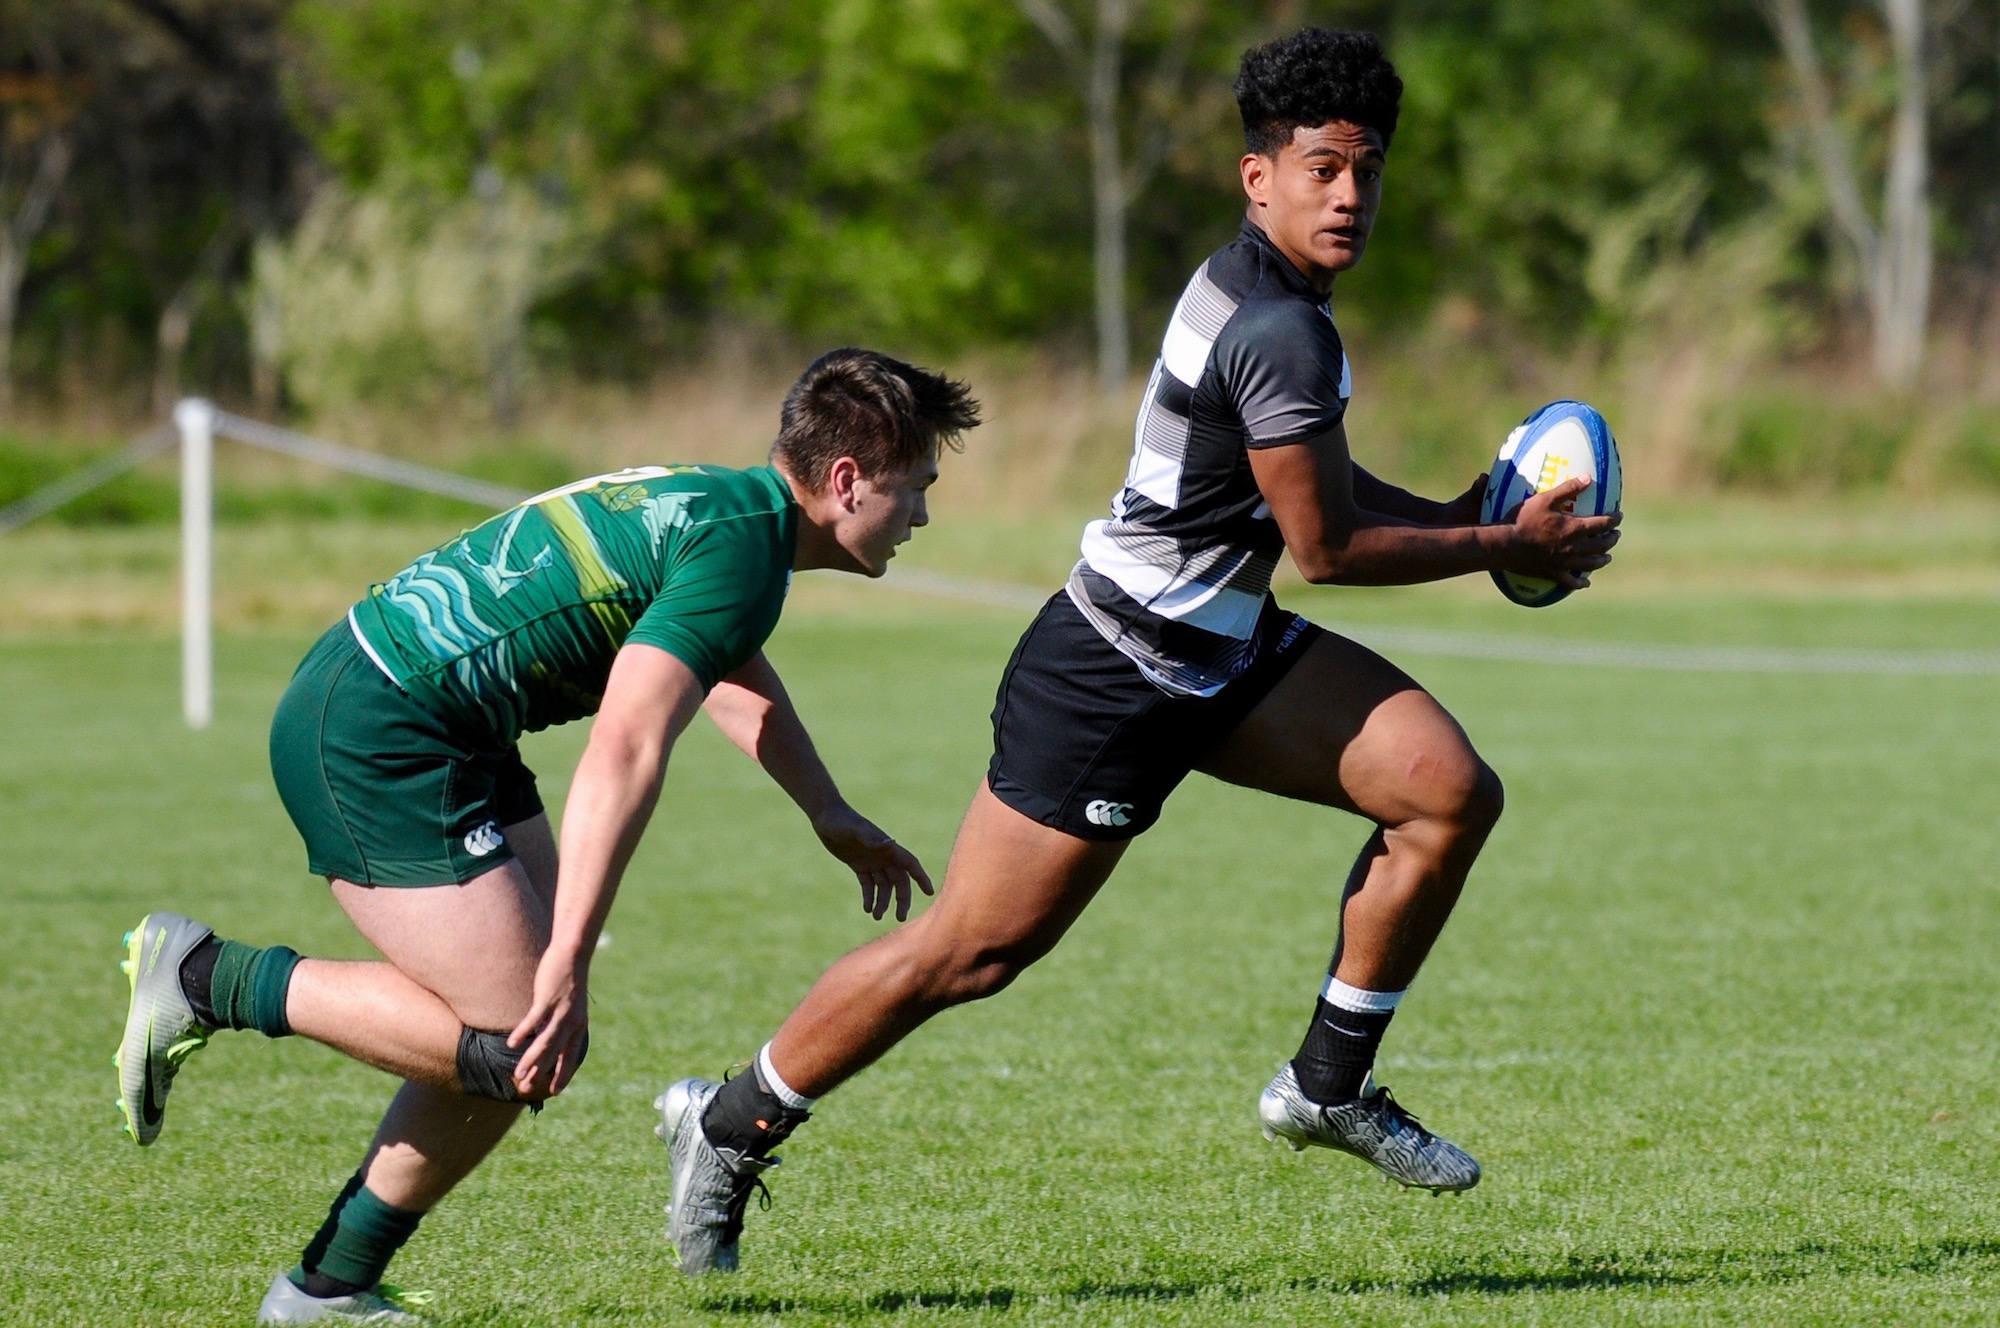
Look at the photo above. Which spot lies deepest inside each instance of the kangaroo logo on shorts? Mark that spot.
(484, 840)
(1102, 812)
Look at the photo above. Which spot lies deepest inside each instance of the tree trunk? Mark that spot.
(170, 347)
(1895, 257)
(267, 329)
(1108, 197)
(501, 322)
(176, 324)
(1903, 279)
(12, 269)
(17, 235)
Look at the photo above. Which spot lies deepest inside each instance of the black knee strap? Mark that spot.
(486, 1064)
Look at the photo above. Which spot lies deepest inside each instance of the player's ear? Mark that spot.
(1255, 169)
(1259, 173)
(842, 479)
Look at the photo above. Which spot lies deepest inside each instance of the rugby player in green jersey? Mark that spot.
(639, 597)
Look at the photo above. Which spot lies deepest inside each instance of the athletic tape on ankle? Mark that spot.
(1344, 997)
(779, 1088)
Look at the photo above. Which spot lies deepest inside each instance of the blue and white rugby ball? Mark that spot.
(1561, 440)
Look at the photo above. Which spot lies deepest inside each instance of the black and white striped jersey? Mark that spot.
(1175, 578)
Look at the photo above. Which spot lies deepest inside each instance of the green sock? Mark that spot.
(316, 1248)
(249, 985)
(365, 1234)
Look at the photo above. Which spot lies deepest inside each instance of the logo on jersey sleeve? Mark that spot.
(667, 511)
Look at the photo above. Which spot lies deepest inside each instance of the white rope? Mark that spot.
(1525, 650)
(406, 473)
(76, 484)
(272, 439)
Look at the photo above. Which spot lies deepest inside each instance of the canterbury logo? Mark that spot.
(1101, 812)
(484, 840)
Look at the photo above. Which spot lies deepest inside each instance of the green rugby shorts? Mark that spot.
(382, 791)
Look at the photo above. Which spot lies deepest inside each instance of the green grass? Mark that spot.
(1716, 1013)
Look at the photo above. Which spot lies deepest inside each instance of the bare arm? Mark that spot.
(753, 711)
(648, 700)
(1335, 541)
(1372, 494)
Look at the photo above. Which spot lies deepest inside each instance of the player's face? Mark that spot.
(1318, 198)
(886, 509)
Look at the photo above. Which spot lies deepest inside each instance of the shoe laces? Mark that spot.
(739, 1204)
(196, 1039)
(402, 1298)
(1402, 1115)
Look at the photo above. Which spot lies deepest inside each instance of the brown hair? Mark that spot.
(886, 414)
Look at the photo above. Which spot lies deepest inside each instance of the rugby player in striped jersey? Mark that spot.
(639, 597)
(1166, 654)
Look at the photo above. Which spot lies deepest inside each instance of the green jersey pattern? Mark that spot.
(512, 626)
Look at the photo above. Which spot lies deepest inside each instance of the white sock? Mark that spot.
(1343, 997)
(779, 1088)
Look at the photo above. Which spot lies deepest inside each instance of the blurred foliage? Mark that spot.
(1786, 440)
(417, 200)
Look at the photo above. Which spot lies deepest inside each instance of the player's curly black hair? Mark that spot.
(1315, 77)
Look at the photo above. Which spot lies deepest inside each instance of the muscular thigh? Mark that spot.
(1014, 886)
(476, 945)
(533, 844)
(1346, 728)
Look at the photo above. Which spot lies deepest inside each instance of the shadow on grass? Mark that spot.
(1612, 1270)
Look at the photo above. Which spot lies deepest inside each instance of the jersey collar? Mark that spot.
(1289, 275)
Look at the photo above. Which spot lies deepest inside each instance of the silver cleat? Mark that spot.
(1373, 1127)
(160, 1028)
(711, 1189)
(385, 1306)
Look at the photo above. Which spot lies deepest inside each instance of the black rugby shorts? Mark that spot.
(1084, 743)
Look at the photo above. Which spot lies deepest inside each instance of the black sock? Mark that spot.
(1339, 1050)
(198, 981)
(747, 1119)
(321, 1287)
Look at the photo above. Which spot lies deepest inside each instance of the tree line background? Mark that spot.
(1768, 229)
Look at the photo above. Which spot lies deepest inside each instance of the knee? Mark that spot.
(970, 971)
(1465, 798)
(486, 1066)
(1483, 799)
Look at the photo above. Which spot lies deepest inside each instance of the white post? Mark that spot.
(195, 419)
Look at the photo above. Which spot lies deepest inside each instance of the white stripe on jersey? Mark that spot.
(1168, 593)
(1199, 317)
(1185, 352)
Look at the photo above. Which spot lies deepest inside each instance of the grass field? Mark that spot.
(1716, 1014)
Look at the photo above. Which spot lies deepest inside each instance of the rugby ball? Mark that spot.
(1561, 440)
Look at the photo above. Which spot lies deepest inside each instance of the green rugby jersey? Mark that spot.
(512, 626)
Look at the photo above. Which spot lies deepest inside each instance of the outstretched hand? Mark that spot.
(1556, 543)
(554, 1028)
(882, 866)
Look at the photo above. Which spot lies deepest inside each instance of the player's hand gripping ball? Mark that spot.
(1562, 440)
